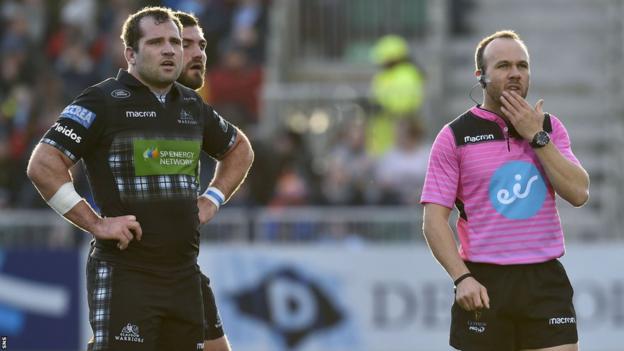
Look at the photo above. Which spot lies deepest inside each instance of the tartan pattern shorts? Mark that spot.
(99, 292)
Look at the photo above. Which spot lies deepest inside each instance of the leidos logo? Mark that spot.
(129, 333)
(151, 153)
(68, 132)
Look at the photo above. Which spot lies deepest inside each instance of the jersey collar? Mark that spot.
(480, 112)
(485, 114)
(129, 80)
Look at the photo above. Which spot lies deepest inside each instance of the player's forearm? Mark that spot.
(84, 217)
(570, 181)
(48, 169)
(232, 170)
(440, 239)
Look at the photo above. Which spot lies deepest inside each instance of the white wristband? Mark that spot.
(64, 199)
(215, 196)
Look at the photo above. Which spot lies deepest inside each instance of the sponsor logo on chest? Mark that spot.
(477, 138)
(186, 118)
(120, 94)
(159, 157)
(141, 114)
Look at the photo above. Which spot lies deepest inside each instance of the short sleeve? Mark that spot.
(219, 134)
(78, 125)
(561, 140)
(442, 178)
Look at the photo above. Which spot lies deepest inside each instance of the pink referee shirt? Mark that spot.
(507, 205)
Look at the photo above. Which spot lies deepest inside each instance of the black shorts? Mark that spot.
(530, 307)
(137, 310)
(213, 329)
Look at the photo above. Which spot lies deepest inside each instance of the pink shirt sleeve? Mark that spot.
(442, 179)
(561, 140)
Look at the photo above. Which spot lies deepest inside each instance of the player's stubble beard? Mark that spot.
(193, 78)
(152, 75)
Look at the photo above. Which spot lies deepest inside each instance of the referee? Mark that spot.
(501, 163)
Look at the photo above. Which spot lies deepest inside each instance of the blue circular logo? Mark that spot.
(517, 190)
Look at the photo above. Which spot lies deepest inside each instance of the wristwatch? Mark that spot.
(540, 139)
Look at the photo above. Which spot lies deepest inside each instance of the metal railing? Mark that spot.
(301, 225)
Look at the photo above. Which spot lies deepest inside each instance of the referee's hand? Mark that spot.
(471, 295)
(123, 229)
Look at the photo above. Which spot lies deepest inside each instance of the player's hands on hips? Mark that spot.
(471, 295)
(123, 229)
(527, 119)
(207, 210)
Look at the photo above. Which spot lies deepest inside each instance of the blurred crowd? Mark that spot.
(51, 50)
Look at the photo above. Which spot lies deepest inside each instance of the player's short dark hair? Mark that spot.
(131, 31)
(508, 34)
(187, 19)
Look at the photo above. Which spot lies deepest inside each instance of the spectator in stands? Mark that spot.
(400, 172)
(296, 182)
(397, 90)
(502, 163)
(215, 17)
(76, 68)
(79, 38)
(5, 177)
(249, 25)
(234, 86)
(349, 170)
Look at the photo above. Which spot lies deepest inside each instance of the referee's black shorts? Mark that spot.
(137, 310)
(530, 308)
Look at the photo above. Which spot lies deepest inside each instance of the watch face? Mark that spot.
(541, 139)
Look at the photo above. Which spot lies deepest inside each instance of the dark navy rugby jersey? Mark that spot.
(142, 159)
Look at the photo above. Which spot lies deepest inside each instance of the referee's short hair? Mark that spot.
(187, 19)
(131, 31)
(508, 34)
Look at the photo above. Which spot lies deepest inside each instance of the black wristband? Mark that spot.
(461, 277)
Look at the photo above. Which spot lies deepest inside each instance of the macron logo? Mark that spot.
(141, 114)
(478, 138)
(562, 320)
